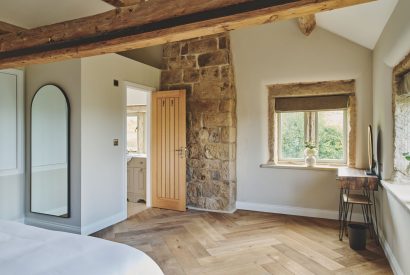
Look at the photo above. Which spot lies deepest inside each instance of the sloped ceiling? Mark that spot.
(34, 13)
(362, 24)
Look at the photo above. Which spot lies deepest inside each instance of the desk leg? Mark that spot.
(343, 211)
(340, 213)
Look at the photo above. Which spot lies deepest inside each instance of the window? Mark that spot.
(327, 130)
(136, 123)
(323, 113)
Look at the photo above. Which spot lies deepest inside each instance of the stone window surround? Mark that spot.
(398, 72)
(324, 88)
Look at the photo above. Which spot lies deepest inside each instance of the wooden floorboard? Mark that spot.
(245, 242)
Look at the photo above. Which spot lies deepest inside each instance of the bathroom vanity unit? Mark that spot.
(136, 178)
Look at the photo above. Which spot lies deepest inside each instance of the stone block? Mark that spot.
(212, 164)
(195, 151)
(228, 134)
(184, 48)
(228, 170)
(224, 42)
(172, 76)
(228, 105)
(171, 49)
(203, 106)
(210, 73)
(216, 203)
(228, 92)
(191, 75)
(214, 135)
(222, 151)
(226, 72)
(195, 120)
(182, 62)
(202, 46)
(207, 90)
(218, 120)
(220, 57)
(215, 175)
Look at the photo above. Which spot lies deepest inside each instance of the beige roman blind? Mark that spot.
(312, 103)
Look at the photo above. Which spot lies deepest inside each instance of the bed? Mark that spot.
(29, 250)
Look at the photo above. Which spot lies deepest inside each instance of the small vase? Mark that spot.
(310, 157)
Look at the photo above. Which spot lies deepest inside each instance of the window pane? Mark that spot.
(132, 134)
(330, 135)
(292, 129)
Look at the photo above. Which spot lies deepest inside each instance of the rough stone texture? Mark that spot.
(203, 67)
(401, 107)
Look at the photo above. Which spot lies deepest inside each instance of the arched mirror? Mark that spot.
(50, 142)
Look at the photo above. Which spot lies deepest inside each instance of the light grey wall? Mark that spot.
(392, 47)
(12, 178)
(66, 75)
(103, 119)
(280, 53)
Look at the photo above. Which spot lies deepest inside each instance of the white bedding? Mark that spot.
(27, 250)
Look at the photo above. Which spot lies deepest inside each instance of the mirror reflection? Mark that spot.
(49, 152)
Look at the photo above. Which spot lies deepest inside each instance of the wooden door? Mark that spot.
(169, 150)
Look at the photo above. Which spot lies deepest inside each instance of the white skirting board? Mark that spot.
(53, 225)
(394, 264)
(104, 223)
(295, 211)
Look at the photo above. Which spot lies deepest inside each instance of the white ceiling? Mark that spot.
(35, 13)
(362, 24)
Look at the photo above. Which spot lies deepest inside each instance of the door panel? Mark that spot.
(168, 150)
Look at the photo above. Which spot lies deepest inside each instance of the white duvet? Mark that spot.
(27, 250)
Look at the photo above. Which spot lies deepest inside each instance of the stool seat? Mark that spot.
(356, 199)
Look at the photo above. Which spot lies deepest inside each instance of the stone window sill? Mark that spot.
(301, 167)
(401, 191)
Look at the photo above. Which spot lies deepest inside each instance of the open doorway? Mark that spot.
(137, 151)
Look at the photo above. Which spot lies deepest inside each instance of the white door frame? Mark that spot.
(149, 91)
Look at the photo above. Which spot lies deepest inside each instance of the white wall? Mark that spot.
(12, 145)
(280, 53)
(103, 119)
(66, 75)
(136, 97)
(392, 47)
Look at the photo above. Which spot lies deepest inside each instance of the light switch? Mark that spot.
(115, 141)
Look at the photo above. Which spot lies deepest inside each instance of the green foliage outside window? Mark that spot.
(292, 135)
(330, 135)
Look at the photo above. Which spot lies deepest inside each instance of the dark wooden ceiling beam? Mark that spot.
(307, 24)
(149, 23)
(9, 28)
(123, 3)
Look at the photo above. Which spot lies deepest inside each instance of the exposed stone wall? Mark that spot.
(401, 106)
(203, 67)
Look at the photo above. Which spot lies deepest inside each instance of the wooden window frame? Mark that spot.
(326, 88)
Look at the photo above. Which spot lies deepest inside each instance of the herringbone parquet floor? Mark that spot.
(244, 243)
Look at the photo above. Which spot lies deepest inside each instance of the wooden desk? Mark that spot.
(355, 179)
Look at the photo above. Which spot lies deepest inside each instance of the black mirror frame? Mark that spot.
(68, 215)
